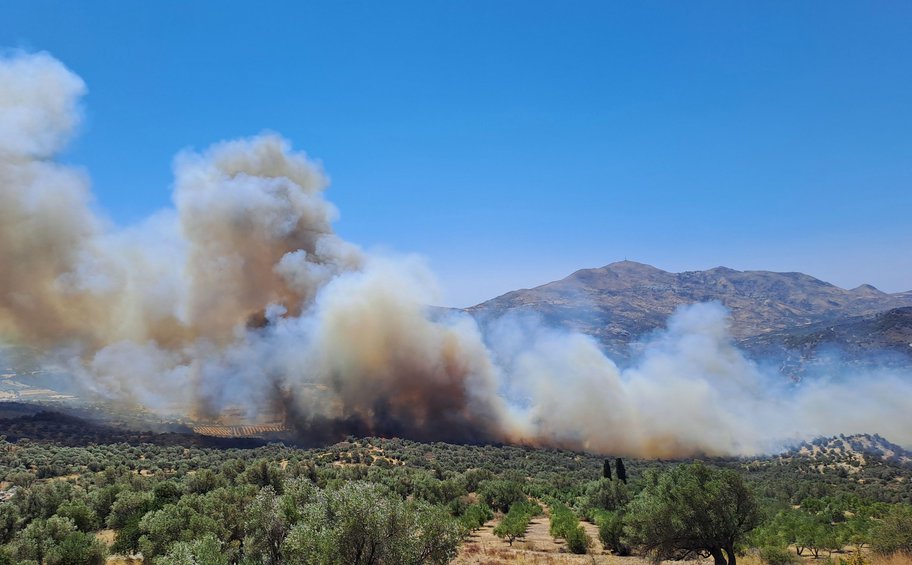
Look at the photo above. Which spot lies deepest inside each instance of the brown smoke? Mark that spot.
(242, 297)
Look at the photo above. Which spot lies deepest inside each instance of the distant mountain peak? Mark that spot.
(867, 289)
(722, 269)
(622, 301)
(628, 264)
(620, 268)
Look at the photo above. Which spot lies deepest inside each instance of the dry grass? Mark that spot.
(845, 554)
(537, 548)
(217, 430)
(106, 536)
(504, 555)
(895, 559)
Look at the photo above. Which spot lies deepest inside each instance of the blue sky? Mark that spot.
(512, 143)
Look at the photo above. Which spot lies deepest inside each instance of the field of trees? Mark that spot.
(391, 501)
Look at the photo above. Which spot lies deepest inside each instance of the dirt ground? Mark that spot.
(537, 548)
(107, 537)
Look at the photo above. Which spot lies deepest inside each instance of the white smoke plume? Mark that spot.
(241, 297)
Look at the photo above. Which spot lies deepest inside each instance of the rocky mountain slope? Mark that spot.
(883, 339)
(621, 302)
(855, 450)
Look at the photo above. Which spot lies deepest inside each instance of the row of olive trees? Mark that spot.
(565, 525)
(355, 524)
(696, 510)
(247, 516)
(515, 523)
(170, 502)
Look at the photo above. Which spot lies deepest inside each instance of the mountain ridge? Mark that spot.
(854, 450)
(622, 301)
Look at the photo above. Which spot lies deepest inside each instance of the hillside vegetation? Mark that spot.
(388, 501)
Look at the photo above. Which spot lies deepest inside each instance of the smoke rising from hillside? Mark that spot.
(242, 296)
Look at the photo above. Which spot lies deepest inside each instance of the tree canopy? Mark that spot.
(692, 510)
(895, 533)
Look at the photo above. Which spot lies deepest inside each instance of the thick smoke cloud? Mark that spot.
(241, 299)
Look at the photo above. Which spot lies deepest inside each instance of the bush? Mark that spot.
(611, 531)
(565, 524)
(516, 521)
(856, 558)
(607, 494)
(577, 540)
(501, 494)
(894, 534)
(203, 551)
(476, 515)
(562, 520)
(773, 555)
(338, 525)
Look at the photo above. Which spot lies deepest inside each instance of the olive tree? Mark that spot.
(206, 550)
(691, 510)
(362, 524)
(894, 533)
(56, 541)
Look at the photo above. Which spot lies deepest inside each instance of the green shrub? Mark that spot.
(501, 494)
(894, 534)
(565, 524)
(476, 515)
(516, 521)
(577, 540)
(562, 520)
(856, 558)
(773, 555)
(611, 531)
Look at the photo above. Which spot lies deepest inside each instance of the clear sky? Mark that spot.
(513, 142)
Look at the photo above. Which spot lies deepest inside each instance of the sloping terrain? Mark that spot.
(883, 339)
(856, 450)
(623, 301)
(79, 426)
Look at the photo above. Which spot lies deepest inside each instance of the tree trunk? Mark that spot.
(730, 551)
(719, 559)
